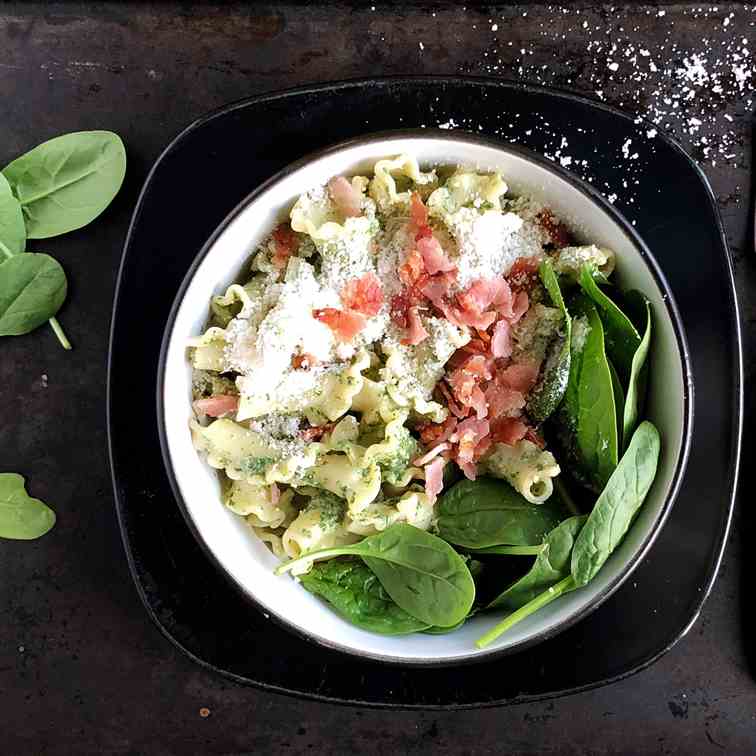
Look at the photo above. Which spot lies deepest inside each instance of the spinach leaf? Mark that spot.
(12, 228)
(619, 401)
(476, 570)
(551, 565)
(32, 289)
(355, 594)
(487, 512)
(636, 390)
(542, 599)
(617, 505)
(65, 183)
(444, 630)
(21, 516)
(13, 239)
(422, 573)
(549, 392)
(586, 423)
(622, 338)
(509, 550)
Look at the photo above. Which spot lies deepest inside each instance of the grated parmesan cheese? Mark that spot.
(489, 243)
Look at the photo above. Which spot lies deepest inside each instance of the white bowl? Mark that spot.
(226, 536)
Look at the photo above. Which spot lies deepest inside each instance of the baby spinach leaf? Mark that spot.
(586, 423)
(66, 182)
(636, 390)
(509, 550)
(32, 289)
(21, 516)
(622, 338)
(619, 401)
(355, 593)
(487, 512)
(551, 565)
(12, 228)
(421, 572)
(542, 599)
(13, 239)
(446, 630)
(548, 393)
(617, 505)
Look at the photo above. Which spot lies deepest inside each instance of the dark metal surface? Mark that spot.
(81, 670)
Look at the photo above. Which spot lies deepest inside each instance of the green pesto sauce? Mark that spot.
(332, 509)
(255, 465)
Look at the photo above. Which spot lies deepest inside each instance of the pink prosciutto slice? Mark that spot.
(416, 332)
(347, 199)
(434, 478)
(434, 257)
(363, 294)
(501, 340)
(217, 405)
(345, 324)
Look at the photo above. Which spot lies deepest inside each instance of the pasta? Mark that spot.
(525, 467)
(389, 333)
(569, 260)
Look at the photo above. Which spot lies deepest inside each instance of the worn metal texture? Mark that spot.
(81, 668)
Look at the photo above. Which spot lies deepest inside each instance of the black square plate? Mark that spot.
(212, 166)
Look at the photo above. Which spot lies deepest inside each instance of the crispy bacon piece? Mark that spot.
(521, 376)
(524, 265)
(473, 306)
(285, 241)
(418, 211)
(431, 433)
(434, 258)
(501, 340)
(508, 430)
(431, 454)
(536, 438)
(345, 324)
(558, 233)
(416, 332)
(304, 361)
(412, 268)
(363, 294)
(456, 409)
(468, 435)
(347, 199)
(315, 432)
(502, 399)
(523, 274)
(520, 306)
(485, 293)
(465, 384)
(217, 405)
(398, 308)
(434, 478)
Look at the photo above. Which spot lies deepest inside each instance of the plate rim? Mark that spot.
(670, 304)
(735, 344)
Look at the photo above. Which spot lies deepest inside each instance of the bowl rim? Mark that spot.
(593, 195)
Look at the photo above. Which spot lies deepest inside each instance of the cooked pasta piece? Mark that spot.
(569, 260)
(525, 467)
(261, 506)
(384, 189)
(320, 525)
(465, 189)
